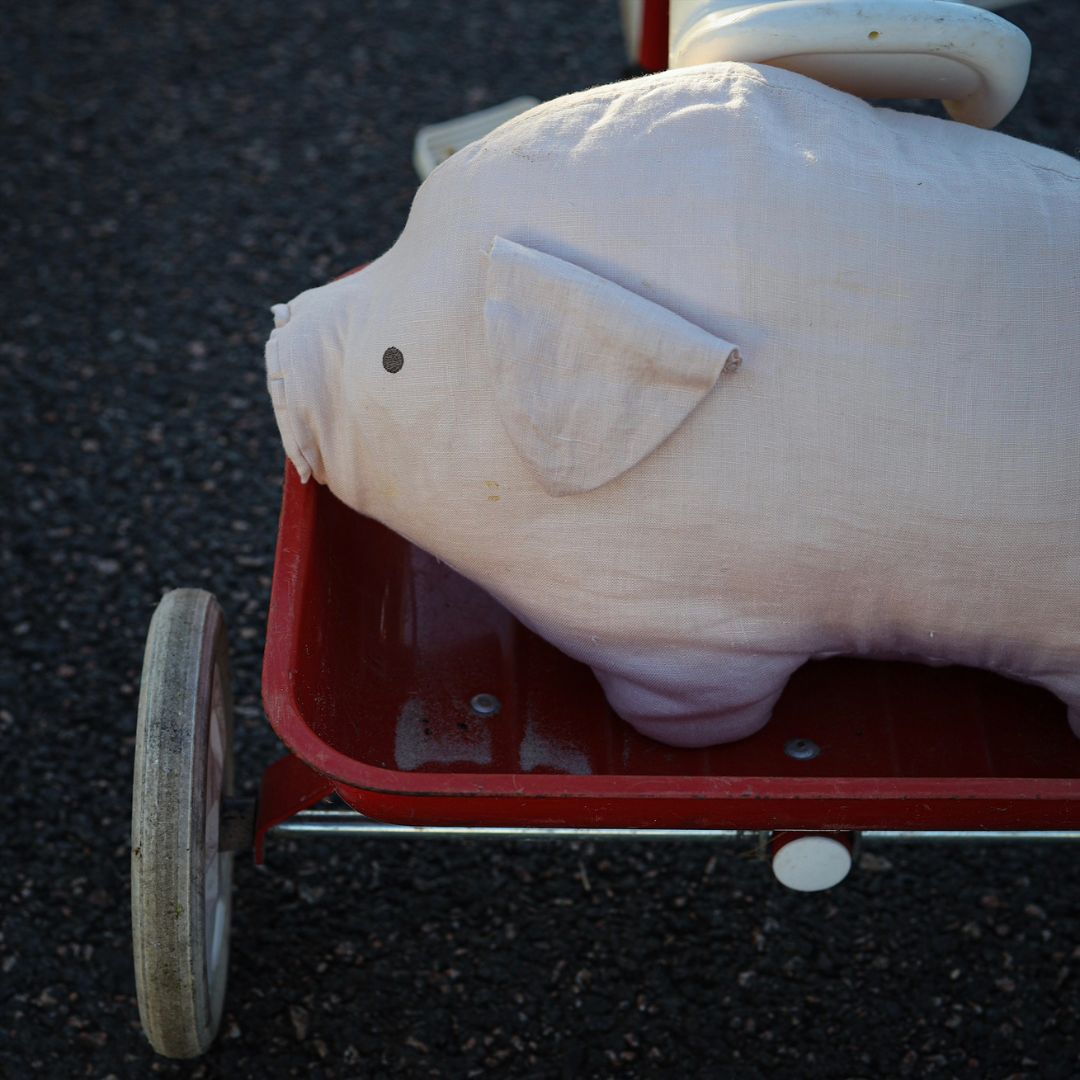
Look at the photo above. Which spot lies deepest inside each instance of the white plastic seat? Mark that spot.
(975, 62)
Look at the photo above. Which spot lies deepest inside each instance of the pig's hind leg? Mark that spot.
(697, 700)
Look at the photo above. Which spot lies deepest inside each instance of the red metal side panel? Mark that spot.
(374, 651)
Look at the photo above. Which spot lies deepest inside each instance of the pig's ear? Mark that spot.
(590, 378)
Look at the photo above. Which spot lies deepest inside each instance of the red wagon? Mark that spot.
(430, 711)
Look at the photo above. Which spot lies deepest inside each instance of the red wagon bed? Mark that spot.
(420, 700)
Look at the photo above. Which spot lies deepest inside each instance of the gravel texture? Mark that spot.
(169, 170)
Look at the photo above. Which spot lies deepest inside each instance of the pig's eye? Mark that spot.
(392, 360)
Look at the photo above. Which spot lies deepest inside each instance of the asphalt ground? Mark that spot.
(168, 171)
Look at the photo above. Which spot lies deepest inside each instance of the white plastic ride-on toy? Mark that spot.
(974, 62)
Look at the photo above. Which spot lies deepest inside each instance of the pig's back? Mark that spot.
(900, 452)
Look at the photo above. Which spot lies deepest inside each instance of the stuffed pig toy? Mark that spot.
(709, 373)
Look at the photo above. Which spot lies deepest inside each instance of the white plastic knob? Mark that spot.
(811, 862)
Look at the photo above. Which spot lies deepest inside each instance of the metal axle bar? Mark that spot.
(341, 823)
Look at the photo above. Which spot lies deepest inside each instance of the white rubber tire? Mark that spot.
(181, 883)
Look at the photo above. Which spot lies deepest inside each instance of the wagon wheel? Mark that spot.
(181, 882)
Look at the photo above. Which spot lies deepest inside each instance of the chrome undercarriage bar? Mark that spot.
(347, 822)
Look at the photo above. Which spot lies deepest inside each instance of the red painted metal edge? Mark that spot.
(653, 49)
(777, 811)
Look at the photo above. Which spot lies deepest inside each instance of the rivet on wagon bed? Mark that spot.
(802, 749)
(485, 705)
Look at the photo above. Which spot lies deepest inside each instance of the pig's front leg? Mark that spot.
(693, 701)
